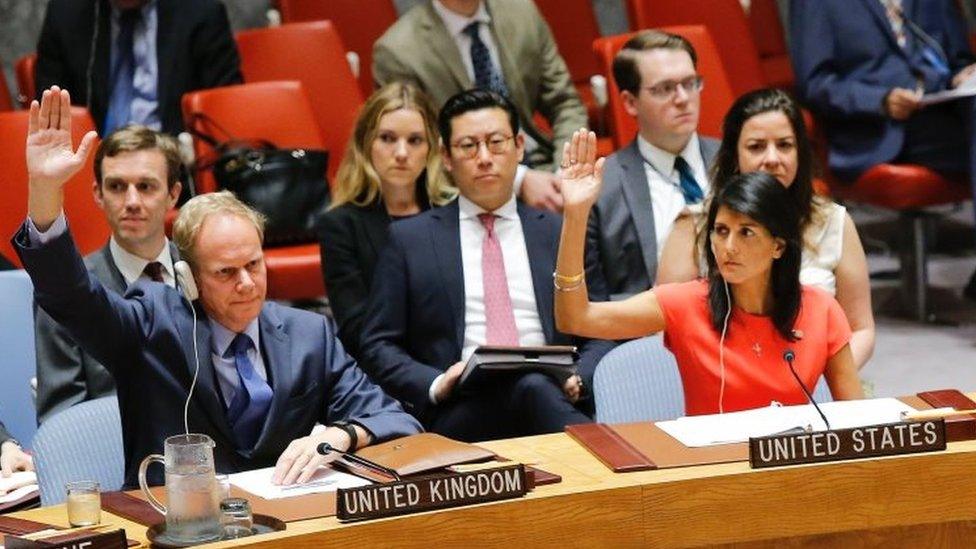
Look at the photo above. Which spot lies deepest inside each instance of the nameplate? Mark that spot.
(71, 540)
(429, 493)
(860, 442)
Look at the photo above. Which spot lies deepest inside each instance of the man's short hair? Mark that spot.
(474, 100)
(196, 211)
(134, 138)
(625, 70)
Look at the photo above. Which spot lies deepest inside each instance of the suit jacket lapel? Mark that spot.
(165, 29)
(445, 236)
(879, 13)
(542, 259)
(437, 40)
(205, 393)
(107, 271)
(377, 224)
(276, 345)
(638, 195)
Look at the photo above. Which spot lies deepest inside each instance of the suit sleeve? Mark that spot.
(214, 51)
(60, 369)
(388, 67)
(558, 100)
(354, 398)
(345, 281)
(384, 339)
(818, 79)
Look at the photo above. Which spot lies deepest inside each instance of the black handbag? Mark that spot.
(288, 186)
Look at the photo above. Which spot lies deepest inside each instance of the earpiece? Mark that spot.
(721, 348)
(184, 279)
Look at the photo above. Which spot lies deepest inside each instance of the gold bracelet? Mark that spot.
(577, 285)
(563, 279)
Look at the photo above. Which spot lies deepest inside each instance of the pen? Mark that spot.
(923, 415)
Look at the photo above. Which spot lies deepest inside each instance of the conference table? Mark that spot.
(926, 500)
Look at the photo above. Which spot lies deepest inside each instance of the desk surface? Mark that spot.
(908, 500)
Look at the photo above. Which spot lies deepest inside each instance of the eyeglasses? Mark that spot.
(664, 91)
(496, 143)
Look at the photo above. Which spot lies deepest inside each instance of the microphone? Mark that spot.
(789, 356)
(325, 449)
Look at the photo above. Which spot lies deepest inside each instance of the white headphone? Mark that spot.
(188, 286)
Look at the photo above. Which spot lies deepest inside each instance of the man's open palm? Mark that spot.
(50, 159)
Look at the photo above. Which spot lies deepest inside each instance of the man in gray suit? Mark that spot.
(662, 174)
(136, 183)
(448, 46)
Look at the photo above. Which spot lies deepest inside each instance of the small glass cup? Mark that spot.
(236, 518)
(84, 503)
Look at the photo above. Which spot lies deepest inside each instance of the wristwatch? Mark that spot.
(351, 431)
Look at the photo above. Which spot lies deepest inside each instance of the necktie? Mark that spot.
(154, 270)
(485, 75)
(499, 316)
(689, 187)
(253, 398)
(122, 73)
(893, 11)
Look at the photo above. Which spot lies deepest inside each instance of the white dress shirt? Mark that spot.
(663, 179)
(133, 267)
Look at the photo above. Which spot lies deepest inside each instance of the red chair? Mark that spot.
(279, 112)
(360, 23)
(767, 32)
(312, 54)
(725, 21)
(24, 69)
(87, 221)
(717, 95)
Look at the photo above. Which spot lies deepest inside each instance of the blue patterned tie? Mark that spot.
(253, 398)
(485, 75)
(689, 187)
(122, 74)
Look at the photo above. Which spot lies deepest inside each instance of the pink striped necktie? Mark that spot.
(499, 316)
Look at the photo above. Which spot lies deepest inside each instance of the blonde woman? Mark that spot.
(391, 170)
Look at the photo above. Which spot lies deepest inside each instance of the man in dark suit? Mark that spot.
(132, 60)
(262, 375)
(477, 271)
(863, 66)
(662, 174)
(136, 182)
(12, 457)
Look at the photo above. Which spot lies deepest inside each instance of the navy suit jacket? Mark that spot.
(415, 324)
(145, 340)
(847, 59)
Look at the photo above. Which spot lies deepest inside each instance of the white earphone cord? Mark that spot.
(196, 371)
(721, 349)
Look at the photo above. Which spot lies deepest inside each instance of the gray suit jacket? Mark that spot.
(621, 225)
(418, 49)
(66, 375)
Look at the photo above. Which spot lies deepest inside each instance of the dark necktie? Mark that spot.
(123, 72)
(247, 412)
(154, 270)
(500, 326)
(485, 75)
(689, 187)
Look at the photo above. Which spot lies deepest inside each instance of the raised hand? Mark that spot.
(50, 158)
(582, 172)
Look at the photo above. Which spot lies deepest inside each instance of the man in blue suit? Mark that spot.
(863, 65)
(262, 375)
(477, 271)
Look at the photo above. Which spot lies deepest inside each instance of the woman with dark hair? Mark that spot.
(764, 131)
(391, 170)
(731, 331)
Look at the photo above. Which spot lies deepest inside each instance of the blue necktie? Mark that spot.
(253, 398)
(689, 187)
(485, 75)
(122, 73)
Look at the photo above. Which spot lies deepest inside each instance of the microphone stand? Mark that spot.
(789, 356)
(325, 449)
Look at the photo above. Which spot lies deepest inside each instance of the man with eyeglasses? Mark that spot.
(662, 174)
(477, 271)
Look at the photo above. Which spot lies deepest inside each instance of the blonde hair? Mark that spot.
(196, 211)
(357, 181)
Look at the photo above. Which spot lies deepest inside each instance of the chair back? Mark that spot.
(313, 54)
(574, 27)
(279, 112)
(725, 20)
(638, 381)
(24, 70)
(716, 98)
(360, 24)
(18, 360)
(83, 442)
(766, 28)
(87, 221)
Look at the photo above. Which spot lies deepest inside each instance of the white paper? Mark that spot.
(697, 431)
(966, 88)
(258, 482)
(13, 487)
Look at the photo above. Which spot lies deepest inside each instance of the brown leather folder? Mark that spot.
(131, 507)
(609, 447)
(957, 427)
(419, 453)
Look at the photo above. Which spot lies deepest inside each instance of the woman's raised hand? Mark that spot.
(581, 171)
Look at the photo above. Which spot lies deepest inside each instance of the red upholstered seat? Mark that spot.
(767, 31)
(24, 69)
(903, 187)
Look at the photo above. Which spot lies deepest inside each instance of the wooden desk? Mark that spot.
(920, 500)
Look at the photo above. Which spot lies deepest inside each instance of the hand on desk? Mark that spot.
(12, 459)
(300, 459)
